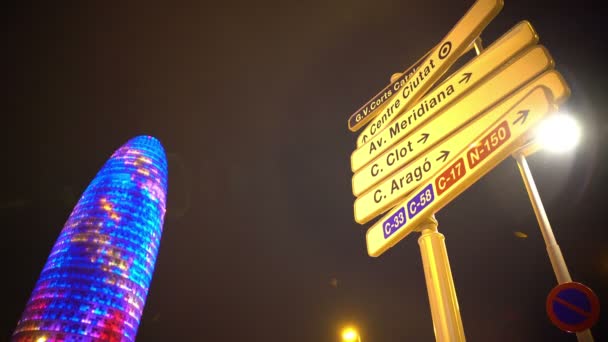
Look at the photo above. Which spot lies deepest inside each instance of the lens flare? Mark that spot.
(558, 133)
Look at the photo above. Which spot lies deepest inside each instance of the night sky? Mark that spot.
(251, 101)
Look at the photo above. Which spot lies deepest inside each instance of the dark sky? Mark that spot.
(250, 100)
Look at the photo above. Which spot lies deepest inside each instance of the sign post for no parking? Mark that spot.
(573, 307)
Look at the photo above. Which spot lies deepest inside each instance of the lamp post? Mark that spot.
(557, 133)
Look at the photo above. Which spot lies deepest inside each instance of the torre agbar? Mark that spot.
(94, 284)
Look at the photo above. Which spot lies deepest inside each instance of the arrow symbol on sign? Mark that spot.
(444, 156)
(424, 137)
(523, 114)
(467, 76)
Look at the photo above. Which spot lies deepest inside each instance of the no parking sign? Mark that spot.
(573, 307)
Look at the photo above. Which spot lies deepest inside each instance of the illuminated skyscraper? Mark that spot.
(95, 281)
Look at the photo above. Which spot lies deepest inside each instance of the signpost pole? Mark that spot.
(478, 44)
(555, 254)
(440, 284)
(445, 311)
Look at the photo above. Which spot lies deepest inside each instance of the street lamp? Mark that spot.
(350, 334)
(558, 132)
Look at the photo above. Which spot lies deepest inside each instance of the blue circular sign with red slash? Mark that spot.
(573, 307)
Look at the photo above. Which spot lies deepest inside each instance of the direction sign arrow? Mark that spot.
(386, 193)
(442, 57)
(508, 79)
(425, 137)
(522, 116)
(443, 156)
(451, 180)
(474, 72)
(466, 77)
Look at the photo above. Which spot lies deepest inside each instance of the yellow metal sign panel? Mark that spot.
(387, 193)
(470, 164)
(516, 74)
(434, 66)
(473, 73)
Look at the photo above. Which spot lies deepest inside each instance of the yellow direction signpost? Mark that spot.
(472, 74)
(385, 194)
(413, 167)
(434, 66)
(414, 142)
(476, 159)
(422, 148)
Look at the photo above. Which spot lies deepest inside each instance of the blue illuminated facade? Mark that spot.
(94, 284)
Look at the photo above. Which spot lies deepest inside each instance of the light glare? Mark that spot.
(349, 334)
(558, 133)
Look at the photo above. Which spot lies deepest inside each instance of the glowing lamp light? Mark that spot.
(349, 335)
(558, 133)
